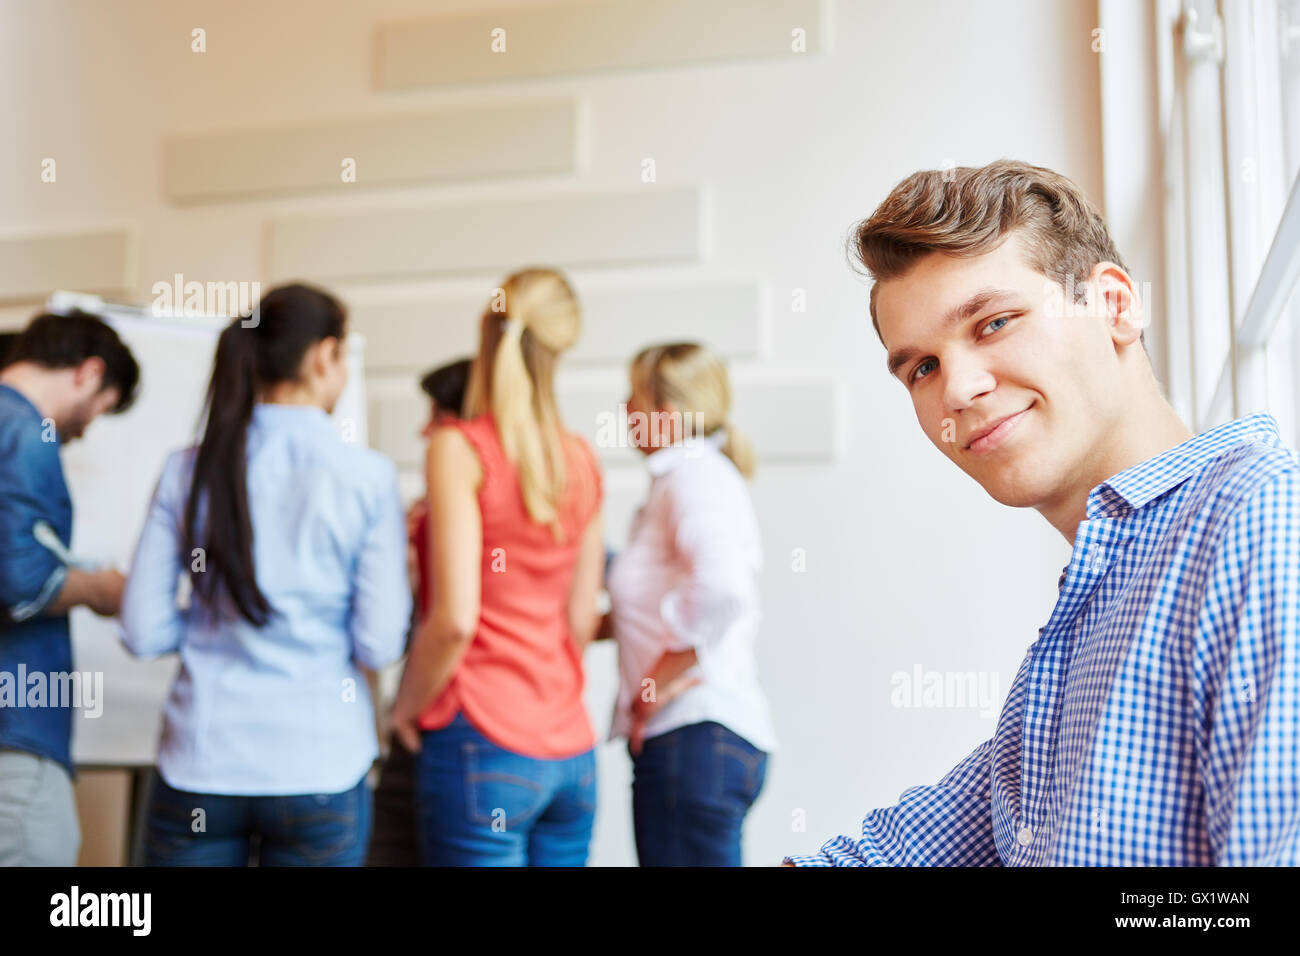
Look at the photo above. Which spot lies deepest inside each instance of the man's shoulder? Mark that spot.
(26, 441)
(1252, 472)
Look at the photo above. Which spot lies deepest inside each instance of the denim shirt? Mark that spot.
(35, 648)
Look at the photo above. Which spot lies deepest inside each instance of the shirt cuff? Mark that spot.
(49, 591)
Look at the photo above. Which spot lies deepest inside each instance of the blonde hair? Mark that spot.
(530, 320)
(694, 381)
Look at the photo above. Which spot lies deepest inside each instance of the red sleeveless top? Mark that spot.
(520, 682)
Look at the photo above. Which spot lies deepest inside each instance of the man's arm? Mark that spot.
(32, 580)
(1248, 687)
(948, 824)
(101, 591)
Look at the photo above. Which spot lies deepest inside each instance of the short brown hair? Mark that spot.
(968, 210)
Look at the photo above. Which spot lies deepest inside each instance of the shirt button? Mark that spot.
(1025, 836)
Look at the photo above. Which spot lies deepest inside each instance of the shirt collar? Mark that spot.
(276, 413)
(666, 459)
(1144, 482)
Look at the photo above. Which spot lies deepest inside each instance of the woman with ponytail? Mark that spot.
(491, 696)
(685, 613)
(287, 546)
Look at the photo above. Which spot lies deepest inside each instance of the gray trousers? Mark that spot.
(38, 814)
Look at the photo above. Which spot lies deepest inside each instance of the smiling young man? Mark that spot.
(1156, 720)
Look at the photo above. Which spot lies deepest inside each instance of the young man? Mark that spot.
(1156, 720)
(61, 373)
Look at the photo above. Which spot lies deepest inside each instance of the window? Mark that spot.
(1229, 86)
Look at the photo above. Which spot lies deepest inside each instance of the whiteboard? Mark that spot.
(111, 474)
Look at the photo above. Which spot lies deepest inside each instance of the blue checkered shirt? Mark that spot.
(1156, 720)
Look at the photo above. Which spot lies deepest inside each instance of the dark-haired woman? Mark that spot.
(292, 543)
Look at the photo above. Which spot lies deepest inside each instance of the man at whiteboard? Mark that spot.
(60, 374)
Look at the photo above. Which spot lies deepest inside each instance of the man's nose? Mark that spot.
(964, 380)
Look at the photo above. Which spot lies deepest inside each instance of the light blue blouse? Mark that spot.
(280, 709)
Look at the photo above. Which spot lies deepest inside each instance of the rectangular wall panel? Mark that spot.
(726, 316)
(31, 267)
(654, 224)
(583, 37)
(788, 422)
(518, 139)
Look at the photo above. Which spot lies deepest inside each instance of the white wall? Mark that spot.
(908, 562)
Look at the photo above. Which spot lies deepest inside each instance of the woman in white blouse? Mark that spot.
(685, 613)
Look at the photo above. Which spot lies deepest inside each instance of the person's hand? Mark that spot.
(643, 710)
(105, 597)
(406, 727)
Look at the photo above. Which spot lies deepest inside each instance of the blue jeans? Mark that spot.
(320, 829)
(479, 804)
(691, 789)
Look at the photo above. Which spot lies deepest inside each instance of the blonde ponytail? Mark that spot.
(533, 319)
(740, 449)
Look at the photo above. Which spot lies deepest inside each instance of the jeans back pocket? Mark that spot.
(501, 789)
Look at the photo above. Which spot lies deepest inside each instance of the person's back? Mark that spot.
(316, 504)
(491, 695)
(521, 678)
(293, 544)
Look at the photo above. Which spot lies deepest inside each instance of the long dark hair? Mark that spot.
(254, 351)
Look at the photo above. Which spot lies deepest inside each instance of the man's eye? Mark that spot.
(916, 372)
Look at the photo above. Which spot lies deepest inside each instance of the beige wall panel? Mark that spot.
(415, 335)
(519, 139)
(567, 38)
(788, 421)
(31, 267)
(655, 224)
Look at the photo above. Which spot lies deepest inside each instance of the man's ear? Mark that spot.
(1114, 298)
(89, 375)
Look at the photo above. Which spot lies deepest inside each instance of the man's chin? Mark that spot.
(1013, 490)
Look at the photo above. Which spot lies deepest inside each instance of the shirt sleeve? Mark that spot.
(30, 575)
(1248, 682)
(381, 597)
(152, 623)
(719, 585)
(948, 824)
